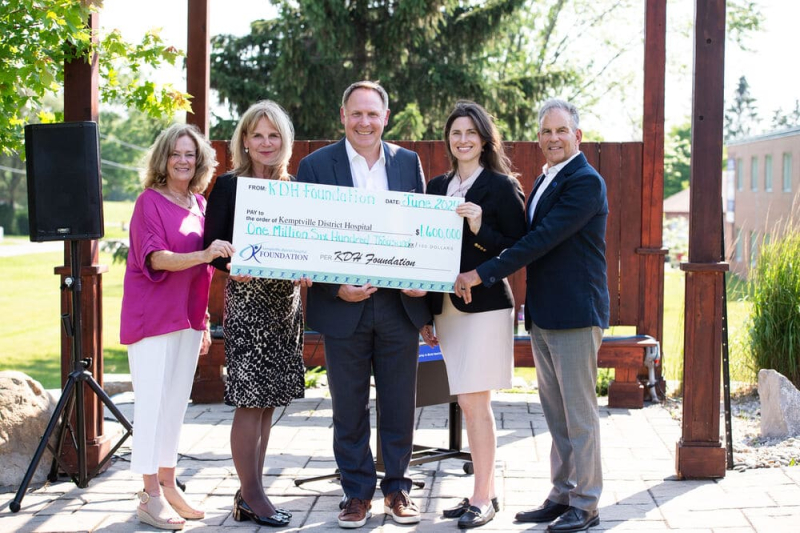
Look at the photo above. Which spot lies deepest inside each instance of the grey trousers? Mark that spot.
(566, 371)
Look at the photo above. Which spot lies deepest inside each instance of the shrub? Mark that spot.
(774, 335)
(314, 377)
(603, 381)
(23, 226)
(117, 248)
(7, 218)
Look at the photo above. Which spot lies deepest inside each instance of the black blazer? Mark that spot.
(564, 252)
(502, 224)
(325, 312)
(219, 215)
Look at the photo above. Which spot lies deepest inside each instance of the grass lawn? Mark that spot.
(30, 335)
(116, 215)
(672, 349)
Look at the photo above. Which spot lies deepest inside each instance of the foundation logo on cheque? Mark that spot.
(257, 253)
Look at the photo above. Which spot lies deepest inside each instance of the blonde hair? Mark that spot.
(157, 158)
(275, 114)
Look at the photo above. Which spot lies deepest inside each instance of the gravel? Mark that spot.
(750, 449)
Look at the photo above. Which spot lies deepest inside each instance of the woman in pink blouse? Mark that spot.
(164, 309)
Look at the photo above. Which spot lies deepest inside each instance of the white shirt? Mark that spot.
(374, 178)
(549, 174)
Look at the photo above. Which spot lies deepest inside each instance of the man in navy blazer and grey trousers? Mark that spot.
(566, 311)
(366, 329)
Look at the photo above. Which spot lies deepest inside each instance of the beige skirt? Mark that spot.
(478, 348)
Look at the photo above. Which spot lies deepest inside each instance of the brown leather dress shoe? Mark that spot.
(399, 506)
(355, 513)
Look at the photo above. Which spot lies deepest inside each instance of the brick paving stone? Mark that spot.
(641, 492)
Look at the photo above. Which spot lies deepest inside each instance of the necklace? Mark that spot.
(180, 201)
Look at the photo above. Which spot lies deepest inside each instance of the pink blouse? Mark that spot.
(156, 302)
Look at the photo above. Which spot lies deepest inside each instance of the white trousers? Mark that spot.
(162, 372)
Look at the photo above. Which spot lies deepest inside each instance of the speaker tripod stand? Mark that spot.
(72, 402)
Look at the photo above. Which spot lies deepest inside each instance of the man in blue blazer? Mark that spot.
(366, 329)
(567, 308)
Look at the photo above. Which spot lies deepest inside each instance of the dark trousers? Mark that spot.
(386, 344)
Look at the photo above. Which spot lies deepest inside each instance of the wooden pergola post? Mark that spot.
(652, 252)
(81, 104)
(198, 63)
(700, 453)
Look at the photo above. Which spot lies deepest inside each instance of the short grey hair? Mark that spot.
(365, 84)
(555, 103)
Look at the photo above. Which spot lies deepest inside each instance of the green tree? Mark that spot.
(742, 115)
(40, 36)
(422, 52)
(12, 180)
(503, 53)
(124, 139)
(677, 159)
(791, 119)
(509, 55)
(743, 20)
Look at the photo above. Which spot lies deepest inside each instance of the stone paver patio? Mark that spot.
(641, 492)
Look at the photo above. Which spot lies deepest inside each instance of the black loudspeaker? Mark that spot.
(65, 200)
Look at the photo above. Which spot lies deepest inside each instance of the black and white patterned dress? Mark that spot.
(263, 343)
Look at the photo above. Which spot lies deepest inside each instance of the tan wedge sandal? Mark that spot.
(157, 512)
(176, 498)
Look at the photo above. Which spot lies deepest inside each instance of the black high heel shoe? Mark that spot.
(242, 511)
(463, 505)
(279, 510)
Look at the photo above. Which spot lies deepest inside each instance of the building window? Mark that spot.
(754, 174)
(739, 246)
(768, 173)
(739, 175)
(753, 248)
(787, 172)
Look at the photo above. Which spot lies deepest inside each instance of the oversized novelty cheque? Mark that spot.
(390, 239)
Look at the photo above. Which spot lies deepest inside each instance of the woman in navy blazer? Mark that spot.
(477, 363)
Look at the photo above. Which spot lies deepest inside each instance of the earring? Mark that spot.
(246, 150)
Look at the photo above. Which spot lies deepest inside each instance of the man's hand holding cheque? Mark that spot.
(464, 283)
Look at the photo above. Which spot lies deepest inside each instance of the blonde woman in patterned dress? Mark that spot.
(263, 318)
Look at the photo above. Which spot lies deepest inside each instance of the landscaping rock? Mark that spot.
(25, 410)
(780, 405)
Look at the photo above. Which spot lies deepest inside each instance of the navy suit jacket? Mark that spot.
(502, 224)
(563, 252)
(325, 312)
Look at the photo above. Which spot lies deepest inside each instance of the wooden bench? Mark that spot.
(635, 266)
(626, 355)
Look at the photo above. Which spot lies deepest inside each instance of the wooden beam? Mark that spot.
(651, 311)
(700, 453)
(198, 63)
(80, 104)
